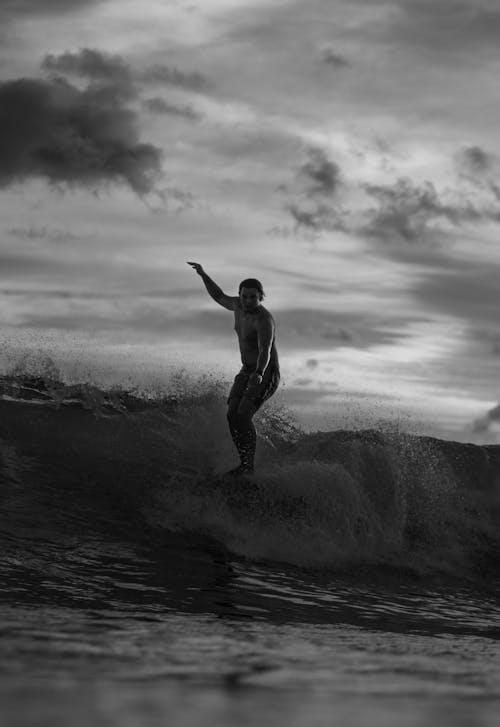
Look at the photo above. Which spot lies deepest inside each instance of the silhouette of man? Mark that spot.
(259, 376)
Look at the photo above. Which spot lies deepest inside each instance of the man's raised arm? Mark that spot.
(226, 301)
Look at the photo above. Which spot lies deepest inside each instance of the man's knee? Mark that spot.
(246, 410)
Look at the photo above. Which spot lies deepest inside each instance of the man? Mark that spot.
(259, 376)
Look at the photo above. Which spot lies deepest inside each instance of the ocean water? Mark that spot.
(354, 580)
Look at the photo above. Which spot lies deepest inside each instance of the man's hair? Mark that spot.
(252, 283)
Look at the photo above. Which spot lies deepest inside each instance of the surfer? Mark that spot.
(259, 376)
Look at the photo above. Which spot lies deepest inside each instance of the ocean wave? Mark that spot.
(329, 500)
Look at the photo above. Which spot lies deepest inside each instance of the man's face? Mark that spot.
(250, 299)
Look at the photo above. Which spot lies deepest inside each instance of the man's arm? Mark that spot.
(265, 336)
(226, 301)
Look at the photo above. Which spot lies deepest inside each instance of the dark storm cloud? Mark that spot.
(158, 105)
(172, 76)
(54, 130)
(92, 64)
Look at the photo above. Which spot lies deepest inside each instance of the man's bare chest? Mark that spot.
(245, 326)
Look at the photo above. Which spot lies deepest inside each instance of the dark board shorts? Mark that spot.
(257, 393)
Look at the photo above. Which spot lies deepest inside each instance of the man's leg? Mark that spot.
(232, 420)
(241, 426)
(247, 434)
(237, 389)
(243, 404)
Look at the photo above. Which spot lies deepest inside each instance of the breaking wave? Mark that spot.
(80, 455)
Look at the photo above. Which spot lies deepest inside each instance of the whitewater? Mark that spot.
(354, 579)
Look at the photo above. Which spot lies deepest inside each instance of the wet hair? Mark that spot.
(252, 283)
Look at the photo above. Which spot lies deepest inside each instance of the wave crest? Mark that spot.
(324, 500)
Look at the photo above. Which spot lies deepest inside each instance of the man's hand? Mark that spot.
(255, 379)
(197, 267)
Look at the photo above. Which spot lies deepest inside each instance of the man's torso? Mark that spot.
(246, 327)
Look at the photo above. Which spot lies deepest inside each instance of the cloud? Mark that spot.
(298, 329)
(314, 216)
(90, 63)
(322, 176)
(135, 315)
(494, 414)
(14, 265)
(58, 294)
(413, 213)
(481, 169)
(312, 202)
(53, 130)
(403, 210)
(446, 27)
(177, 200)
(172, 76)
(466, 289)
(158, 105)
(112, 72)
(408, 211)
(484, 424)
(11, 9)
(314, 328)
(475, 161)
(257, 144)
(330, 57)
(43, 232)
(111, 68)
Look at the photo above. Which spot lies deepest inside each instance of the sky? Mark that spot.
(344, 152)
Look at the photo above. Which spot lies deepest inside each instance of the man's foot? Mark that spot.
(239, 471)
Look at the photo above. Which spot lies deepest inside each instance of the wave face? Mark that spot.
(80, 459)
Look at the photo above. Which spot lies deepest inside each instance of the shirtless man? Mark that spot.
(259, 376)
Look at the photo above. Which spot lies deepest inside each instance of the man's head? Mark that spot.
(251, 293)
